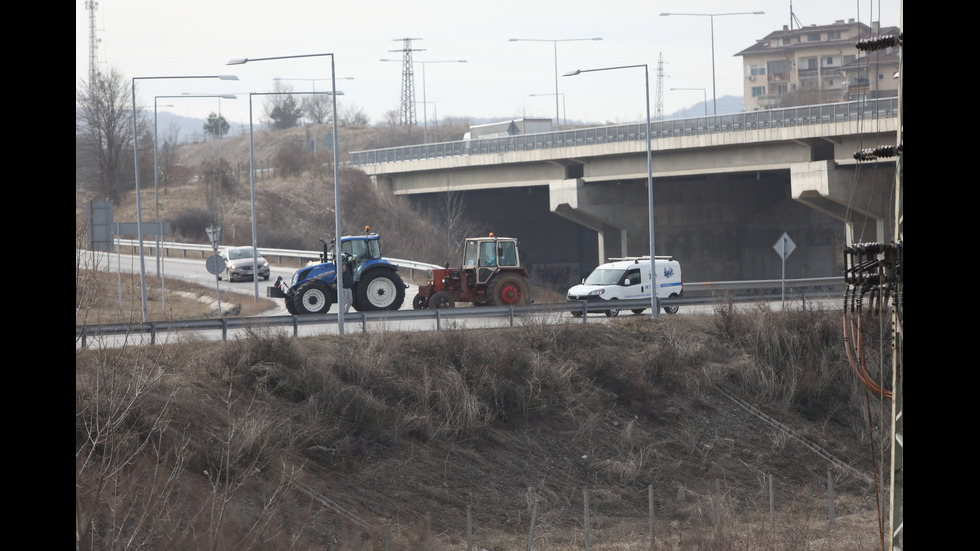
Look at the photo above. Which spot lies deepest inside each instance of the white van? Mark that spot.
(627, 279)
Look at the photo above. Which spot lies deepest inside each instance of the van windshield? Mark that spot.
(604, 276)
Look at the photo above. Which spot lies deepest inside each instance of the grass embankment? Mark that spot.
(272, 442)
(102, 298)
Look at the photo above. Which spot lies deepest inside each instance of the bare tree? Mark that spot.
(281, 108)
(317, 108)
(219, 181)
(105, 120)
(458, 225)
(168, 160)
(352, 115)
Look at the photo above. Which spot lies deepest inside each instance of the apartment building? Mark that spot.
(817, 64)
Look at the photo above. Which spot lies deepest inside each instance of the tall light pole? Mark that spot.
(563, 108)
(555, 42)
(703, 92)
(714, 90)
(653, 256)
(315, 122)
(425, 116)
(136, 164)
(336, 176)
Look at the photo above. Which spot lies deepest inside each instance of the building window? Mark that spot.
(833, 35)
(828, 61)
(757, 70)
(758, 91)
(813, 37)
(778, 70)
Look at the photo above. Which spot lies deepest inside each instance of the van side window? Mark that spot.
(634, 277)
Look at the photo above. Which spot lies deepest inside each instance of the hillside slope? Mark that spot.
(272, 442)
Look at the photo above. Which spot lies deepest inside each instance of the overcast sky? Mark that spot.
(500, 79)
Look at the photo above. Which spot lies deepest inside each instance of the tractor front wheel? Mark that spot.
(442, 299)
(312, 297)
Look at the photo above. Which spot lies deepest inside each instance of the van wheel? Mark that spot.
(637, 311)
(671, 309)
(612, 312)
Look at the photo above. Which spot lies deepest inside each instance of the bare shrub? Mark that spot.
(292, 160)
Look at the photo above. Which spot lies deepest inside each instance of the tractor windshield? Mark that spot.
(490, 253)
(362, 249)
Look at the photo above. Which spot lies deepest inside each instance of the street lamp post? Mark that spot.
(703, 92)
(555, 42)
(714, 90)
(425, 116)
(136, 164)
(156, 179)
(336, 175)
(435, 115)
(653, 256)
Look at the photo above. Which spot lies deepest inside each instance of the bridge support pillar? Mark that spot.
(832, 190)
(569, 200)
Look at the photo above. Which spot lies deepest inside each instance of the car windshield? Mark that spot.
(604, 276)
(235, 254)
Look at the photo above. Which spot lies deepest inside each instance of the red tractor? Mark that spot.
(491, 276)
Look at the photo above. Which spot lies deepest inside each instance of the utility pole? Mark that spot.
(406, 114)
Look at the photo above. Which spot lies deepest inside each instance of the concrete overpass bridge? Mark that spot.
(725, 188)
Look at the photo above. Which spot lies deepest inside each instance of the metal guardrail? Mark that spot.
(281, 253)
(736, 122)
(439, 316)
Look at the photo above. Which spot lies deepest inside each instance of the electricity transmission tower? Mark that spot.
(406, 114)
(659, 112)
(93, 41)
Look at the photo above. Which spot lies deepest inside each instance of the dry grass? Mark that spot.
(115, 298)
(270, 442)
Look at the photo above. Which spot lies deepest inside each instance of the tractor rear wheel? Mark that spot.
(507, 290)
(442, 299)
(312, 297)
(380, 290)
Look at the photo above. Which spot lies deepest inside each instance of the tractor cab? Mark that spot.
(484, 256)
(356, 250)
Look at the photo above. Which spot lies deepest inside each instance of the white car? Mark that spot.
(239, 264)
(628, 279)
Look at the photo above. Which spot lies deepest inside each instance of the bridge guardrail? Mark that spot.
(736, 122)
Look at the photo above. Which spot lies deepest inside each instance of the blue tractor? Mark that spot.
(376, 283)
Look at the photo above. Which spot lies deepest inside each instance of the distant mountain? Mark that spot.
(726, 105)
(191, 130)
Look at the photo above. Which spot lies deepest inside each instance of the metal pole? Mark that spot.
(336, 200)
